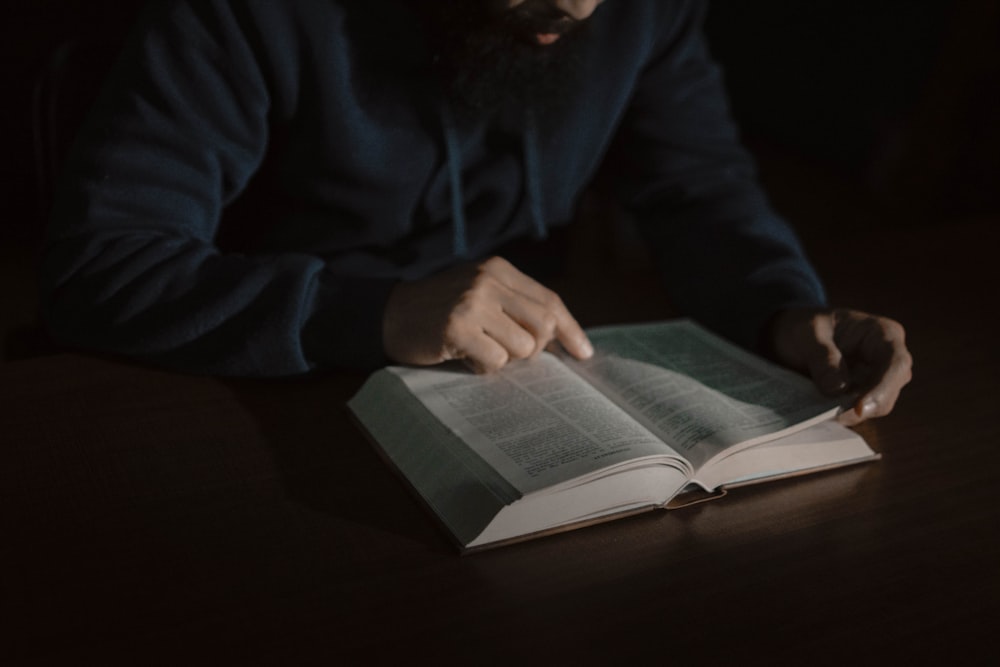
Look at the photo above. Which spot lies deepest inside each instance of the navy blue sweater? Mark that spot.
(377, 185)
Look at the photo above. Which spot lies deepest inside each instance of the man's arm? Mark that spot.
(726, 258)
(131, 264)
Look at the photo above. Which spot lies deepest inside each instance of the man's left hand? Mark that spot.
(846, 351)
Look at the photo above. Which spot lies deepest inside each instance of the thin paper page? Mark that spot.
(698, 393)
(827, 443)
(536, 423)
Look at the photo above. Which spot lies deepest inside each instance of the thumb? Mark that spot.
(825, 360)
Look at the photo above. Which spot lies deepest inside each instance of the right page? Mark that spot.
(824, 445)
(697, 392)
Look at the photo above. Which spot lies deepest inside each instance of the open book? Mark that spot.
(554, 443)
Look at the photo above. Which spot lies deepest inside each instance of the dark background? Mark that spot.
(860, 112)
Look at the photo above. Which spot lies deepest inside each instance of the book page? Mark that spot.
(537, 423)
(697, 392)
(825, 444)
(461, 489)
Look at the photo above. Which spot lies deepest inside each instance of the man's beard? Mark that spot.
(488, 60)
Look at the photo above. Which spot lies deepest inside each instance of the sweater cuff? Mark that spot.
(345, 327)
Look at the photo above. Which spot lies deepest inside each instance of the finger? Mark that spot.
(880, 363)
(482, 354)
(519, 339)
(465, 337)
(531, 319)
(823, 358)
(885, 346)
(850, 417)
(478, 330)
(570, 334)
(553, 321)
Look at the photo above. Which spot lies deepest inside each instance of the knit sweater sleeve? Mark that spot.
(726, 258)
(131, 265)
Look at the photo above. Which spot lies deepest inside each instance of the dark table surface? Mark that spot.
(158, 518)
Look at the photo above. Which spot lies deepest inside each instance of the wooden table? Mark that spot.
(153, 518)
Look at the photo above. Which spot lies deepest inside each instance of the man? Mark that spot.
(410, 139)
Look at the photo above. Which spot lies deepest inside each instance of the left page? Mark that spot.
(536, 423)
(460, 489)
(511, 455)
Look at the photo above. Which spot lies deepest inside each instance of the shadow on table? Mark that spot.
(324, 461)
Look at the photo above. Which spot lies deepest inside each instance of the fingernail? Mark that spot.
(867, 408)
(586, 349)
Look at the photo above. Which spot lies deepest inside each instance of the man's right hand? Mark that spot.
(486, 314)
